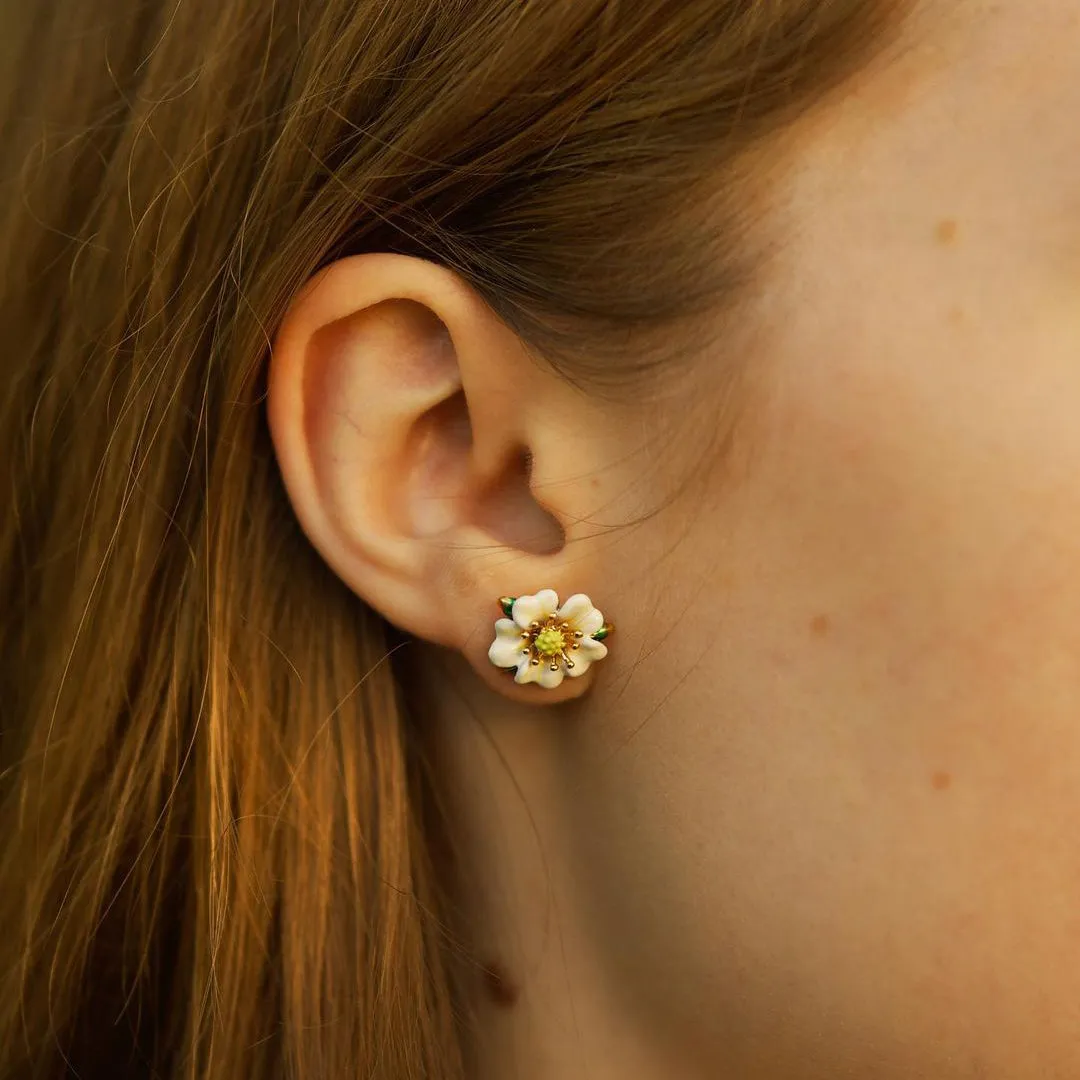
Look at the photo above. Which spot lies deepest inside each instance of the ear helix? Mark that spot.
(543, 642)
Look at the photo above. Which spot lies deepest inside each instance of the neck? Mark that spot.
(547, 1004)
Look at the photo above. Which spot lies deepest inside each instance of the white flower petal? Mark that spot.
(550, 679)
(527, 671)
(574, 606)
(579, 612)
(541, 674)
(581, 665)
(593, 649)
(506, 649)
(585, 655)
(528, 609)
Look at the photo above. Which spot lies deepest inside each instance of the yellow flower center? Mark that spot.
(549, 641)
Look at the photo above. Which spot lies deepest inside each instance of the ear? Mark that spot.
(415, 433)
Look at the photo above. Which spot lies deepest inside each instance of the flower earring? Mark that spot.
(543, 642)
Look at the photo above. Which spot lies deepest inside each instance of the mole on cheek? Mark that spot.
(940, 780)
(946, 232)
(820, 626)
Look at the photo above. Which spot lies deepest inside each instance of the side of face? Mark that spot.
(850, 750)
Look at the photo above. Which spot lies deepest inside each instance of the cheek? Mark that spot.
(853, 797)
(893, 731)
(909, 551)
(913, 531)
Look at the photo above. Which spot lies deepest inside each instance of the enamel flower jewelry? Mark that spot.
(543, 642)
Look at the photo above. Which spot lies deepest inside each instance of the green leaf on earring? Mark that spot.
(507, 604)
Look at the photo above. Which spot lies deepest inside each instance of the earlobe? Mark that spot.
(404, 416)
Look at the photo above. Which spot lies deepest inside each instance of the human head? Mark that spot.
(676, 306)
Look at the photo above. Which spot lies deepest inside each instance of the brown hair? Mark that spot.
(216, 855)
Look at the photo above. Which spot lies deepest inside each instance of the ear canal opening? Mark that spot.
(512, 514)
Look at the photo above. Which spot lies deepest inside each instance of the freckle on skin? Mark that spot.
(820, 625)
(940, 780)
(946, 232)
(957, 315)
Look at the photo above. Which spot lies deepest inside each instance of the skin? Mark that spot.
(814, 816)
